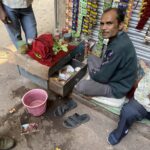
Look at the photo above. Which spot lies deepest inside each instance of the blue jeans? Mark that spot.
(24, 18)
(131, 112)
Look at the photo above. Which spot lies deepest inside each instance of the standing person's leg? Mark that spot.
(14, 28)
(93, 88)
(131, 112)
(28, 23)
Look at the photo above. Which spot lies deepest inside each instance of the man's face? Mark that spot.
(109, 24)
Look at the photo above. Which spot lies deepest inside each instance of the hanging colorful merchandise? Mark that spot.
(82, 13)
(96, 28)
(144, 14)
(128, 14)
(68, 23)
(75, 14)
(90, 19)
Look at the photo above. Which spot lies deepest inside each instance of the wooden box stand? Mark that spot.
(41, 74)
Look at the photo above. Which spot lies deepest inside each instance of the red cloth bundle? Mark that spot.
(42, 46)
(42, 50)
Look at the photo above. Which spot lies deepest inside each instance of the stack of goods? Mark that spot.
(96, 28)
(81, 15)
(69, 8)
(91, 17)
(144, 14)
(75, 14)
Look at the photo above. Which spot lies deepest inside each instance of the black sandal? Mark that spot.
(61, 110)
(75, 120)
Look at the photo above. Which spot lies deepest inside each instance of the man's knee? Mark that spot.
(80, 87)
(128, 112)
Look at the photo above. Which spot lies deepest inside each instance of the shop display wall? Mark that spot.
(138, 36)
(134, 10)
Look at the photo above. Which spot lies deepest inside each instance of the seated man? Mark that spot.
(114, 74)
(136, 109)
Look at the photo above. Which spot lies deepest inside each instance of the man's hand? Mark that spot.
(3, 16)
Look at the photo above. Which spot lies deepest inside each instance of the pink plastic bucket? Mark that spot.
(35, 101)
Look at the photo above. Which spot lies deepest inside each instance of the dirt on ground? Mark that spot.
(51, 133)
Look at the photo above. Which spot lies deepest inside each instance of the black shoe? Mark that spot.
(6, 143)
(112, 140)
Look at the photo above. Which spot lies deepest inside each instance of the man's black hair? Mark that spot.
(120, 14)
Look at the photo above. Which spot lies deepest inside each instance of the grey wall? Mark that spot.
(61, 12)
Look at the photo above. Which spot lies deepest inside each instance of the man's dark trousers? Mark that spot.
(131, 112)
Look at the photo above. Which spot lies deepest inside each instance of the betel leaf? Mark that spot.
(64, 47)
(59, 45)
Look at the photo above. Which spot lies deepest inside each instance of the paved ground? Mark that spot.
(89, 136)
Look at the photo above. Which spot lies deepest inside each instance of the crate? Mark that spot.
(65, 89)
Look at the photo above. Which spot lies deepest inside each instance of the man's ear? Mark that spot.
(121, 26)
